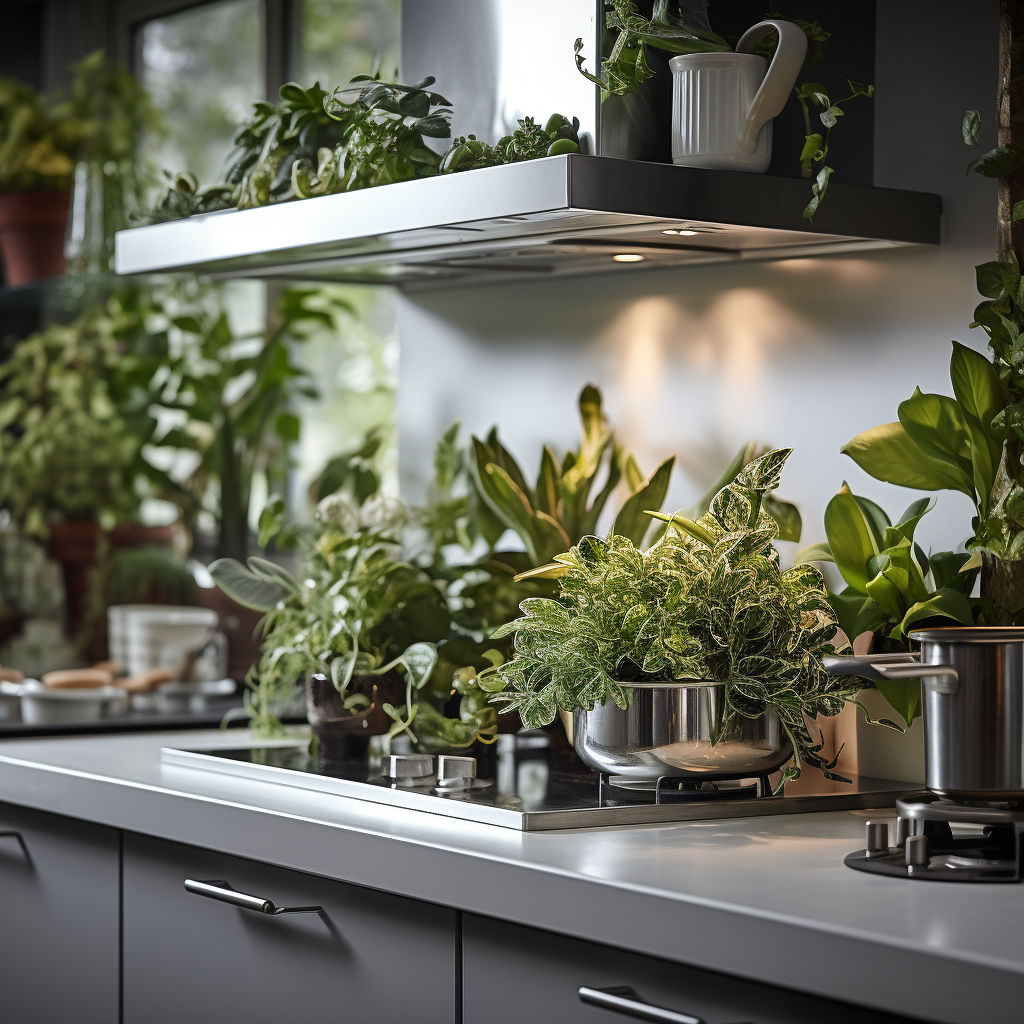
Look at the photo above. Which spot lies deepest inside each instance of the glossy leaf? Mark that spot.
(888, 453)
(913, 515)
(970, 127)
(850, 540)
(903, 695)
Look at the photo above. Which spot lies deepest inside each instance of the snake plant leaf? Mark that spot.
(850, 540)
(633, 473)
(551, 537)
(501, 456)
(888, 453)
(903, 695)
(584, 520)
(979, 394)
(547, 495)
(551, 571)
(632, 521)
(245, 587)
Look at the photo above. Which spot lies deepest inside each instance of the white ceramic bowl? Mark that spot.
(40, 706)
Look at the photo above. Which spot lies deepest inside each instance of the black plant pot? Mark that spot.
(342, 734)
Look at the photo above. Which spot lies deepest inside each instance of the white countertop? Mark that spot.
(767, 898)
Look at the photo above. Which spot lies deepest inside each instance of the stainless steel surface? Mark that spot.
(557, 215)
(624, 1001)
(218, 889)
(531, 799)
(974, 731)
(677, 729)
(455, 772)
(916, 855)
(407, 766)
(487, 58)
(876, 837)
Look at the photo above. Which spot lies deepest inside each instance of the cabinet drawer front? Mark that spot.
(190, 956)
(59, 891)
(513, 974)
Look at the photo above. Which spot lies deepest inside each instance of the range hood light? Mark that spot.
(670, 231)
(627, 257)
(689, 231)
(683, 231)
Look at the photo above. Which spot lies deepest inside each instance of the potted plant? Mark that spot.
(707, 605)
(87, 138)
(364, 630)
(36, 164)
(75, 419)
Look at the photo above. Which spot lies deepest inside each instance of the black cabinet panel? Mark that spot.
(369, 956)
(59, 889)
(513, 974)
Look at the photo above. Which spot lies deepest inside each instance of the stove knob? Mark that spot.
(918, 853)
(455, 772)
(407, 766)
(904, 830)
(876, 838)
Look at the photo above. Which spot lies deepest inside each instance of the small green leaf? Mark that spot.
(1018, 210)
(903, 696)
(245, 587)
(970, 127)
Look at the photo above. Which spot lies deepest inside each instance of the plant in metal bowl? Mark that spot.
(707, 602)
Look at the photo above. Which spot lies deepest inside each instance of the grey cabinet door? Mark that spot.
(514, 974)
(59, 919)
(370, 956)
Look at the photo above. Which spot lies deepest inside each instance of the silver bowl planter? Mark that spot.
(679, 729)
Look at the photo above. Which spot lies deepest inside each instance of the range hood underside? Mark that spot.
(557, 216)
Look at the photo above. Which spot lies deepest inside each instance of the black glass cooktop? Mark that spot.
(520, 786)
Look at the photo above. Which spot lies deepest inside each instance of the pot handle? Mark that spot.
(780, 79)
(942, 678)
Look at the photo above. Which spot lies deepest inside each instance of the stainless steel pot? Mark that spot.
(677, 729)
(973, 680)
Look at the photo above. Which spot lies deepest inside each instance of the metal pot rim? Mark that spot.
(969, 634)
(671, 684)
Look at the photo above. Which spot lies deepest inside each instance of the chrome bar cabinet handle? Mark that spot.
(218, 889)
(623, 1000)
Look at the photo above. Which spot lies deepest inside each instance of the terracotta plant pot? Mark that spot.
(74, 546)
(32, 226)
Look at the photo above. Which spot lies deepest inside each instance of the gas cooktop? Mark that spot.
(520, 786)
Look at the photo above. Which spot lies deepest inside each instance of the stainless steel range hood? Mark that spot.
(555, 216)
(559, 215)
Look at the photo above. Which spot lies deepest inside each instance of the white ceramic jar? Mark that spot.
(723, 103)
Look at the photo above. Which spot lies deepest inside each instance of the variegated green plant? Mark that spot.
(708, 601)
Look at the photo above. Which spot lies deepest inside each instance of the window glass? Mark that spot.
(342, 38)
(204, 68)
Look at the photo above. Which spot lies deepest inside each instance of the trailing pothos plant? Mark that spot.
(359, 609)
(626, 68)
(529, 141)
(708, 601)
(891, 584)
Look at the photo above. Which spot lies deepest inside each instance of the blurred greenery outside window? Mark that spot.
(204, 67)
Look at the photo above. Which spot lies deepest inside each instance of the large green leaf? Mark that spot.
(819, 552)
(632, 520)
(903, 695)
(245, 587)
(945, 603)
(851, 542)
(856, 613)
(977, 389)
(915, 512)
(888, 453)
(935, 423)
(888, 590)
(876, 519)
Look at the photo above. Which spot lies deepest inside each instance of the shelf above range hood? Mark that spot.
(554, 216)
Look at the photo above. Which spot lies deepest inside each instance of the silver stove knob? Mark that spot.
(455, 772)
(876, 838)
(917, 853)
(407, 766)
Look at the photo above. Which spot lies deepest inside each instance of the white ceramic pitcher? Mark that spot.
(723, 103)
